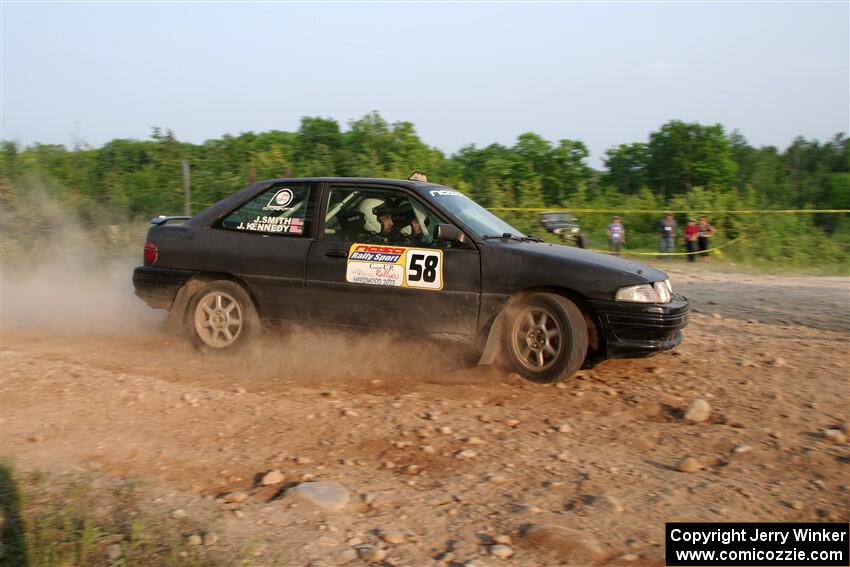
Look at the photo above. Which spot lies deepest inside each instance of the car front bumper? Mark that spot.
(634, 330)
(158, 286)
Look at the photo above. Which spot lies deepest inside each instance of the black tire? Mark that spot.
(544, 338)
(222, 318)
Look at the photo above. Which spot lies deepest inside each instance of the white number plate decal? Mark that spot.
(397, 266)
(424, 268)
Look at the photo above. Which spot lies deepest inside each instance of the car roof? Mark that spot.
(227, 204)
(419, 186)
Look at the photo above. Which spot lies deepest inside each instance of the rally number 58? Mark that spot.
(425, 269)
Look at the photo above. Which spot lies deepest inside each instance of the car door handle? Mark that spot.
(336, 254)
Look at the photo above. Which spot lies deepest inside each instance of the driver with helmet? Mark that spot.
(384, 213)
(405, 217)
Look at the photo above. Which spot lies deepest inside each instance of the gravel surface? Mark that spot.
(430, 463)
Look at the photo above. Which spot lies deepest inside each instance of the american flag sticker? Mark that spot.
(296, 226)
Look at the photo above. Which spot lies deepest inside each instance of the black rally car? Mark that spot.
(409, 257)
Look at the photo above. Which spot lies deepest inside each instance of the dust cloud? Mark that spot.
(69, 295)
(67, 276)
(62, 274)
(328, 355)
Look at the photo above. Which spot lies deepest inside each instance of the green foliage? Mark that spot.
(68, 522)
(683, 156)
(682, 166)
(627, 167)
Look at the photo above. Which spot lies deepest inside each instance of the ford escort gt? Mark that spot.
(340, 251)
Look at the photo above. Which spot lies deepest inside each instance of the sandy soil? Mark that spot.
(391, 418)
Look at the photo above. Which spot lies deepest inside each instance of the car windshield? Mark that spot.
(477, 218)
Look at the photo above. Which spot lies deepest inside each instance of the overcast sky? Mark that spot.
(604, 73)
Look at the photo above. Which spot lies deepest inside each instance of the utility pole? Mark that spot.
(187, 191)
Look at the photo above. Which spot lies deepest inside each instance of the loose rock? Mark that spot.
(326, 494)
(742, 449)
(114, 552)
(393, 536)
(178, 514)
(272, 477)
(501, 551)
(698, 411)
(235, 497)
(571, 546)
(210, 538)
(371, 553)
(835, 435)
(607, 504)
(688, 465)
(466, 454)
(194, 539)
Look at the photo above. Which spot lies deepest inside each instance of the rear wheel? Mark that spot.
(222, 317)
(545, 338)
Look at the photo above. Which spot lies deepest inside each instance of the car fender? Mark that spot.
(594, 328)
(177, 313)
(494, 340)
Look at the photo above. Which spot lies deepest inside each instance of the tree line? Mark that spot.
(684, 166)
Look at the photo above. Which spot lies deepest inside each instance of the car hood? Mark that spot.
(512, 266)
(574, 255)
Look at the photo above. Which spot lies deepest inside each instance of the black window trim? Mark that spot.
(328, 187)
(315, 195)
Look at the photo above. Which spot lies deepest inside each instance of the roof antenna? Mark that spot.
(417, 176)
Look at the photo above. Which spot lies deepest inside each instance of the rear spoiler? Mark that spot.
(162, 219)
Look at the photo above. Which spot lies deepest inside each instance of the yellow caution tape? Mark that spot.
(691, 212)
(724, 245)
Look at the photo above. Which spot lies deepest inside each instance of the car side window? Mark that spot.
(380, 217)
(283, 210)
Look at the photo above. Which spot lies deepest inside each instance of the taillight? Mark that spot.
(151, 252)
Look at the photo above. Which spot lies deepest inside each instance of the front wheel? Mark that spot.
(545, 338)
(222, 317)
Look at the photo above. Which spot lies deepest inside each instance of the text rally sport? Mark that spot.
(395, 266)
(755, 534)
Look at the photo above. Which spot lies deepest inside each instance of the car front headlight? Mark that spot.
(658, 292)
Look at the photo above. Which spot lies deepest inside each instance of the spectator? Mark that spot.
(691, 236)
(667, 229)
(706, 231)
(616, 235)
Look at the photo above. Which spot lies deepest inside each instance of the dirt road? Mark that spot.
(442, 462)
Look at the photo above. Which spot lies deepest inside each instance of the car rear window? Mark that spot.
(283, 210)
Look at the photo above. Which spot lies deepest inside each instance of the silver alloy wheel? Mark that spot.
(536, 338)
(218, 319)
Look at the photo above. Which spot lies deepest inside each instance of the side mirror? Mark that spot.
(449, 233)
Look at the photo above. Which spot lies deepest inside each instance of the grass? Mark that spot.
(59, 522)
